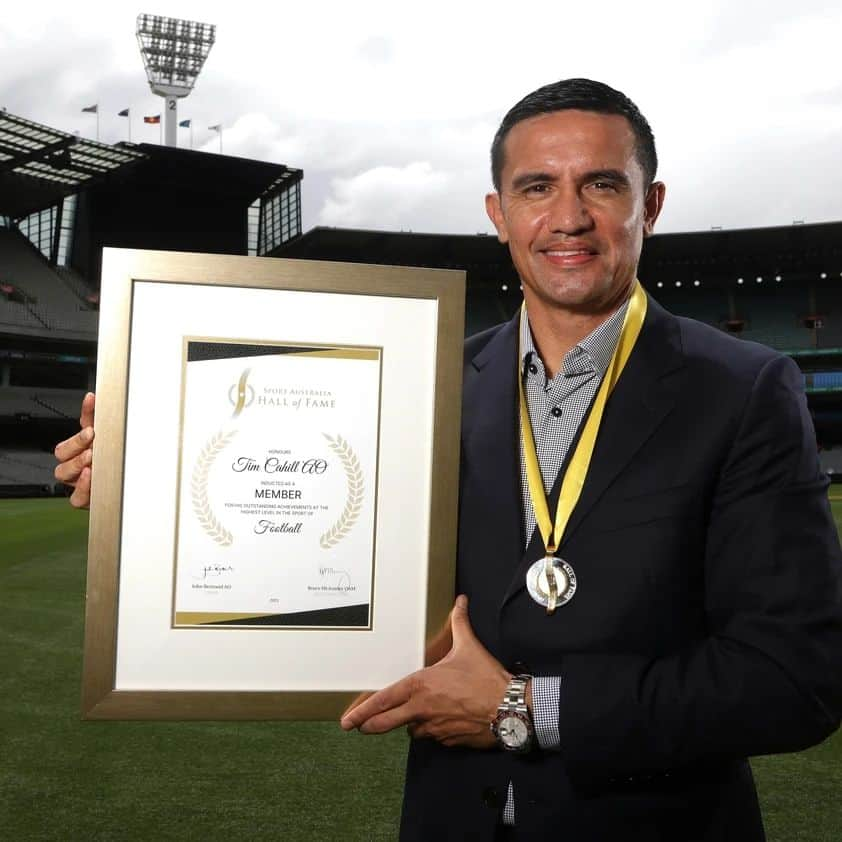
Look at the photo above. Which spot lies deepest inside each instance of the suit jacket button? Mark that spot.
(491, 798)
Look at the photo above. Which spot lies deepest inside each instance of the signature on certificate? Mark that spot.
(337, 579)
(214, 570)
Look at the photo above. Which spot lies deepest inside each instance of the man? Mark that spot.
(680, 610)
(705, 625)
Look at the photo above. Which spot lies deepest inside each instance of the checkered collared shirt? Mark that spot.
(557, 408)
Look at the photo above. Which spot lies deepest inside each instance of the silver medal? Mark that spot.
(539, 587)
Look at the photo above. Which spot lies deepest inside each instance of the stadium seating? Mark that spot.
(28, 468)
(706, 304)
(50, 307)
(84, 292)
(24, 402)
(485, 308)
(774, 319)
(829, 307)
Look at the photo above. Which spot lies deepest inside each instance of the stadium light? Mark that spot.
(696, 283)
(739, 280)
(823, 275)
(778, 278)
(173, 52)
(678, 283)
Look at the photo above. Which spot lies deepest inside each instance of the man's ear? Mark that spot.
(495, 213)
(653, 204)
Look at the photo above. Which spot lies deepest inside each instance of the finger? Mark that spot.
(418, 730)
(86, 419)
(433, 730)
(357, 701)
(389, 720)
(81, 496)
(68, 472)
(72, 447)
(389, 697)
(439, 645)
(374, 705)
(460, 623)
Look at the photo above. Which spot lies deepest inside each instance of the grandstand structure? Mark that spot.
(62, 200)
(781, 286)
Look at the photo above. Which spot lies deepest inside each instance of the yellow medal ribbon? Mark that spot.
(577, 469)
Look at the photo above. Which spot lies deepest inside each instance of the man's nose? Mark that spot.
(568, 212)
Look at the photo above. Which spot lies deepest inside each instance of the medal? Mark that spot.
(551, 581)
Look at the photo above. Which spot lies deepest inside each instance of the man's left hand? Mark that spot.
(453, 701)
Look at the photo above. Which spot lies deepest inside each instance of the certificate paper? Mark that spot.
(277, 485)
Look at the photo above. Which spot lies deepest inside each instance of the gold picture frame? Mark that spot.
(138, 667)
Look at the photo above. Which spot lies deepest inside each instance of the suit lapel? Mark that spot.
(491, 455)
(637, 406)
(635, 410)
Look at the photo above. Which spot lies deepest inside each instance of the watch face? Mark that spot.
(513, 732)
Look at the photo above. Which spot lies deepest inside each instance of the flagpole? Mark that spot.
(93, 109)
(191, 134)
(218, 129)
(129, 118)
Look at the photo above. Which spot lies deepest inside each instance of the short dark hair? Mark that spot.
(581, 95)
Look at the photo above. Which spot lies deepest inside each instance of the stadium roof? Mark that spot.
(481, 255)
(40, 165)
(179, 170)
(804, 252)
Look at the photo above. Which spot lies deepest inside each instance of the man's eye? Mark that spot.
(603, 185)
(536, 189)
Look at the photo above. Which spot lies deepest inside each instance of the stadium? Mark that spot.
(62, 200)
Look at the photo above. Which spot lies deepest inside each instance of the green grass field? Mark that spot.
(64, 779)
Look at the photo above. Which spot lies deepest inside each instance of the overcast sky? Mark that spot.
(389, 108)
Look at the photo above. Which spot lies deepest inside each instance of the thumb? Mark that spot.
(460, 622)
(86, 419)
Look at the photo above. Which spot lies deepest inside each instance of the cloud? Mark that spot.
(339, 157)
(377, 49)
(745, 102)
(386, 197)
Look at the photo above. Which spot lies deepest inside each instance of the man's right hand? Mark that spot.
(75, 457)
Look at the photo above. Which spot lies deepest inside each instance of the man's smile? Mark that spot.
(568, 257)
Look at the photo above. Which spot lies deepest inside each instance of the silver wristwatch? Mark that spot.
(512, 726)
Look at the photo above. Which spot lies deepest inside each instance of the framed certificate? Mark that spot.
(273, 513)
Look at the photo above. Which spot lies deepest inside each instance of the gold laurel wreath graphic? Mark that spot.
(356, 492)
(199, 485)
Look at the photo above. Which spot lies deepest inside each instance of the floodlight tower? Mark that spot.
(173, 52)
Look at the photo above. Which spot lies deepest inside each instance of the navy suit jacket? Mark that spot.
(707, 624)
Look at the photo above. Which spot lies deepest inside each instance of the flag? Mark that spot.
(216, 128)
(185, 124)
(155, 118)
(91, 109)
(123, 113)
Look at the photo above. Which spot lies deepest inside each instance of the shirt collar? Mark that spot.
(592, 353)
